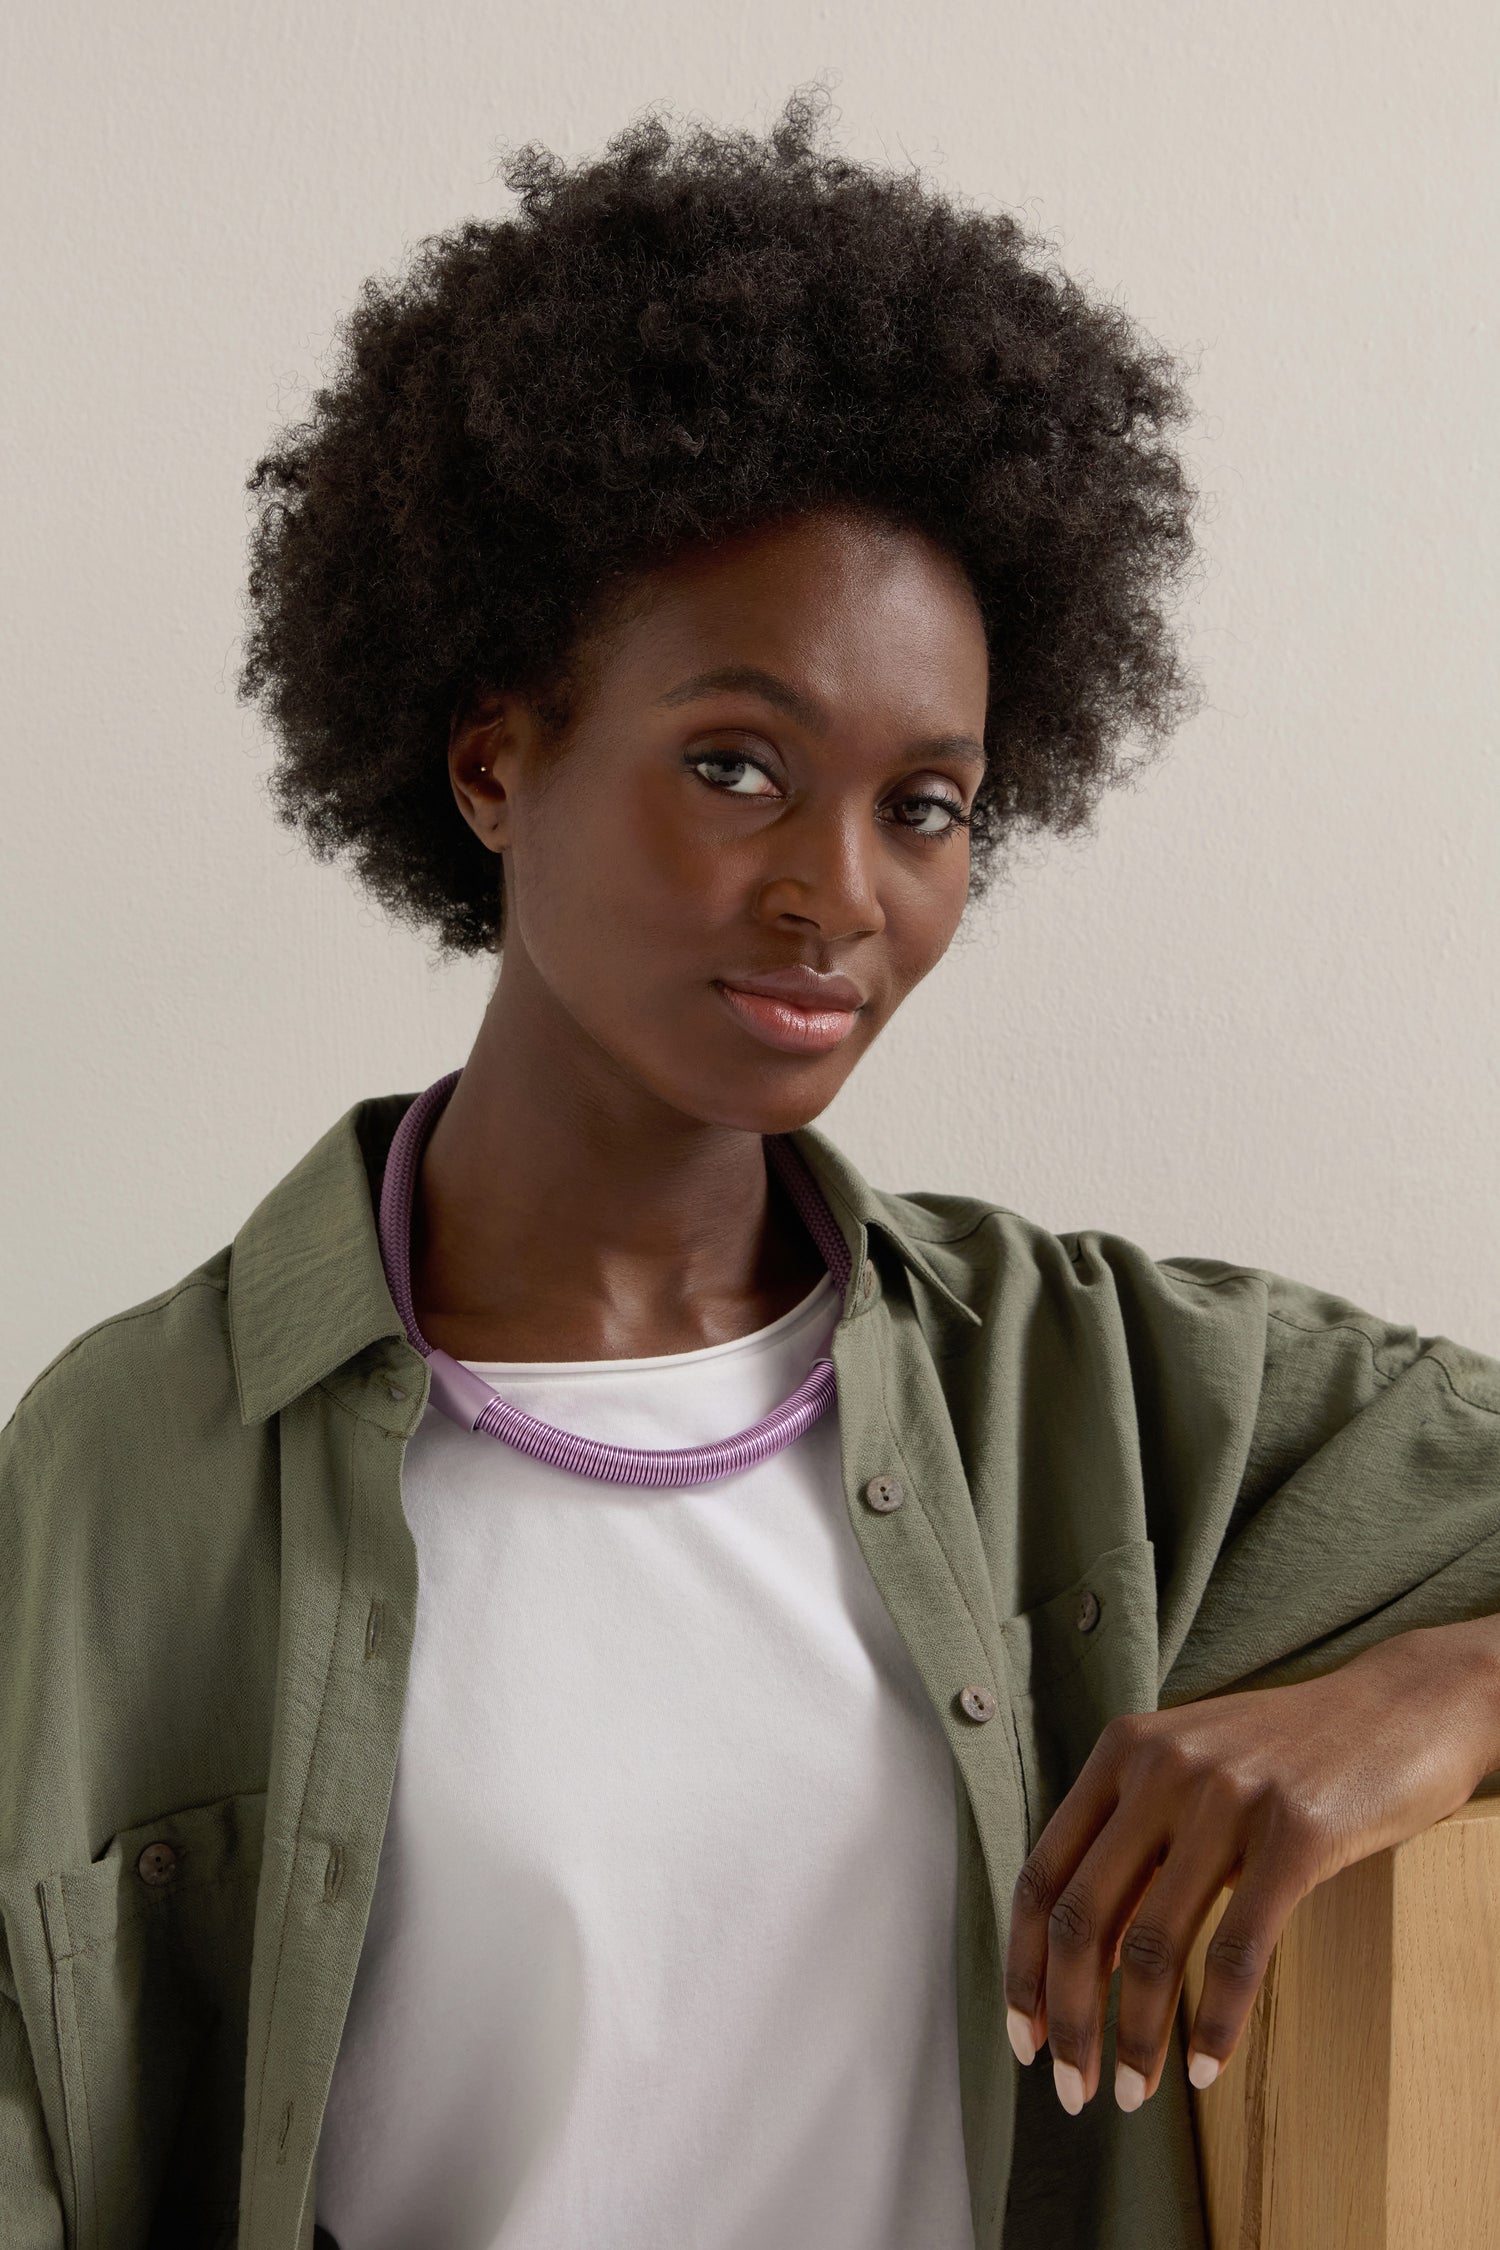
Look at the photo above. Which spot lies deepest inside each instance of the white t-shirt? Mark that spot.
(661, 1951)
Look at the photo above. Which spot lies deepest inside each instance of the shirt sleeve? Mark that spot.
(1368, 1498)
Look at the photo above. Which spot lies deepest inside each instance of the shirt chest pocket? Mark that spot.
(1077, 1661)
(149, 1950)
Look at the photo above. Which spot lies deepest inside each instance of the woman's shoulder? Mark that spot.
(118, 1405)
(994, 1265)
(124, 1350)
(174, 1356)
(997, 1263)
(978, 1243)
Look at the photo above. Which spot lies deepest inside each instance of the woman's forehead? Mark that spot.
(820, 603)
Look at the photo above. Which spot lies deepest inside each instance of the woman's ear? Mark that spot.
(483, 747)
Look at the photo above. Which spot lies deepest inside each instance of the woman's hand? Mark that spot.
(1269, 1791)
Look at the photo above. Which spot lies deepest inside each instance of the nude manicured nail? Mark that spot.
(1020, 2035)
(1069, 2084)
(1203, 2070)
(1130, 2087)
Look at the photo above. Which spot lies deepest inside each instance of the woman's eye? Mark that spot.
(934, 816)
(736, 776)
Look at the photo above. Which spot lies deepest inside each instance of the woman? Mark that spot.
(851, 1625)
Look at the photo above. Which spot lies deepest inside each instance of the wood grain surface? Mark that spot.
(1361, 2110)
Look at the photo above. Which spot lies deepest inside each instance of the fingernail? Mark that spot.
(1203, 2070)
(1130, 2087)
(1020, 2035)
(1069, 2084)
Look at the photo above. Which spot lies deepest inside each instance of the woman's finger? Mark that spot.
(1271, 1883)
(1087, 1919)
(1154, 1951)
(1059, 1848)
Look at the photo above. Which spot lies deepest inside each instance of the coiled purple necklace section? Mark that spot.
(475, 1405)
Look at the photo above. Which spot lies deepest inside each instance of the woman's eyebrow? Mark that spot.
(749, 679)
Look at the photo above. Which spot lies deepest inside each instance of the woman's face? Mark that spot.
(766, 773)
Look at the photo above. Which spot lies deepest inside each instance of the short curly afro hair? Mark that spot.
(688, 336)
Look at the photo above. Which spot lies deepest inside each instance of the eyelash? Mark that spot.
(957, 817)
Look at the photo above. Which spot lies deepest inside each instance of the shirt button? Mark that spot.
(884, 1493)
(977, 1704)
(1086, 1617)
(396, 1390)
(867, 1280)
(157, 1865)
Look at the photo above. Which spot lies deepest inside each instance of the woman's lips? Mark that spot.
(796, 1031)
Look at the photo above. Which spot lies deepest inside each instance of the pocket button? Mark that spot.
(157, 1865)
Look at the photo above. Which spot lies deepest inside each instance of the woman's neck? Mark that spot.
(561, 1212)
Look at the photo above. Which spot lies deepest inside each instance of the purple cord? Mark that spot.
(471, 1402)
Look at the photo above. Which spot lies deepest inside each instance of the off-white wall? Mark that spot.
(1253, 1017)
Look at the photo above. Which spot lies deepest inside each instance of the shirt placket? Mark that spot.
(348, 1610)
(909, 1506)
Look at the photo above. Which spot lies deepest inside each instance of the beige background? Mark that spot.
(1254, 1016)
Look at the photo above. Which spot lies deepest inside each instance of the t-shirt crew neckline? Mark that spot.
(774, 1331)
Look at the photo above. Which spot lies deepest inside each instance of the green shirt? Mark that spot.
(208, 1591)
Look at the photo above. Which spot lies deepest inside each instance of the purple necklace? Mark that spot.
(471, 1402)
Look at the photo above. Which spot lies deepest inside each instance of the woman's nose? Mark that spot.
(825, 877)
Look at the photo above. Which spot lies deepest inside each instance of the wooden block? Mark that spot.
(1361, 2110)
(1443, 2156)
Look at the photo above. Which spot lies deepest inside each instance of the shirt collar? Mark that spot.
(307, 1286)
(858, 1207)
